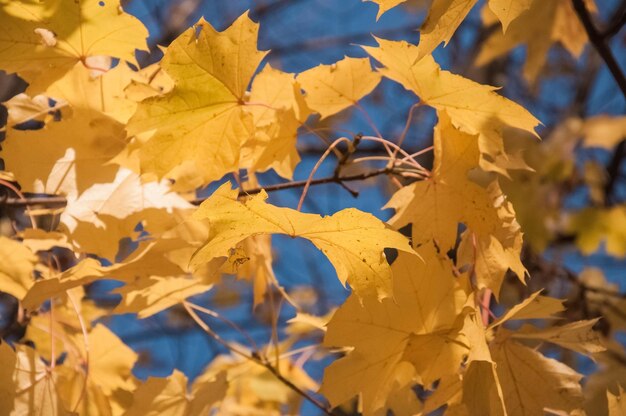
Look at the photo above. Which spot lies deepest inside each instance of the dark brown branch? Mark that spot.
(617, 22)
(59, 201)
(613, 172)
(599, 43)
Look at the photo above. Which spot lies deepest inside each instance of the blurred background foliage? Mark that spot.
(572, 207)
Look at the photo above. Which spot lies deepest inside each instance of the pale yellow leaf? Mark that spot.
(202, 120)
(473, 108)
(17, 265)
(531, 382)
(333, 88)
(42, 41)
(353, 241)
(426, 302)
(577, 336)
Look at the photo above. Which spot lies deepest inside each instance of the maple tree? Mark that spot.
(153, 176)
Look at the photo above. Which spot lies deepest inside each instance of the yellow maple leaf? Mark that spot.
(533, 307)
(445, 16)
(278, 109)
(482, 393)
(158, 396)
(435, 206)
(617, 402)
(35, 385)
(353, 241)
(603, 131)
(473, 108)
(385, 334)
(202, 119)
(531, 382)
(384, 5)
(22, 108)
(106, 212)
(333, 88)
(594, 225)
(42, 41)
(110, 361)
(145, 297)
(72, 154)
(102, 92)
(7, 386)
(577, 336)
(17, 265)
(553, 21)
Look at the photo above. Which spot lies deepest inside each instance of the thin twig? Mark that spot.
(62, 201)
(256, 359)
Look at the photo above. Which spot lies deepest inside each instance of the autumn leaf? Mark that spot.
(443, 90)
(531, 382)
(436, 205)
(43, 41)
(418, 326)
(445, 16)
(577, 336)
(145, 297)
(551, 22)
(617, 402)
(202, 119)
(72, 154)
(17, 267)
(352, 240)
(35, 385)
(333, 88)
(169, 396)
(533, 307)
(7, 387)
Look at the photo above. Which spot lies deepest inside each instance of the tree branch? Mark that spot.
(60, 201)
(599, 43)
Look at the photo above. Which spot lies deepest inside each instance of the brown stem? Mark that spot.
(61, 201)
(256, 358)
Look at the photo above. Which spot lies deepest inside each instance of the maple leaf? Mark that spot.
(445, 16)
(22, 108)
(594, 225)
(551, 22)
(252, 260)
(437, 204)
(533, 307)
(106, 212)
(385, 334)
(169, 396)
(35, 385)
(603, 131)
(110, 360)
(17, 265)
(252, 388)
(202, 119)
(278, 109)
(145, 297)
(42, 41)
(531, 382)
(71, 155)
(99, 92)
(617, 402)
(352, 240)
(384, 5)
(333, 88)
(489, 114)
(7, 387)
(577, 336)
